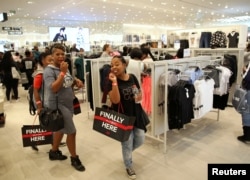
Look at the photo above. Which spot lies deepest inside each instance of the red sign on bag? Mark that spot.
(113, 124)
(37, 134)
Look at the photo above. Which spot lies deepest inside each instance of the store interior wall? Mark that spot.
(32, 34)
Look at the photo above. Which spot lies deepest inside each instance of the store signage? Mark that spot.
(12, 28)
(6, 28)
(15, 32)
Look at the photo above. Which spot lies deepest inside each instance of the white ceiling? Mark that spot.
(110, 15)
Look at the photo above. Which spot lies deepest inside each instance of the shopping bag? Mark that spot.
(113, 124)
(34, 135)
(15, 73)
(239, 100)
(77, 107)
(24, 78)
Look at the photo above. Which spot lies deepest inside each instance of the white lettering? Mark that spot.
(34, 131)
(228, 172)
(111, 117)
(214, 171)
(109, 127)
(37, 138)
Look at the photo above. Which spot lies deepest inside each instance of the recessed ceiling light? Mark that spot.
(30, 2)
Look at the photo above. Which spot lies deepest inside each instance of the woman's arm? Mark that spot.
(57, 84)
(36, 87)
(114, 93)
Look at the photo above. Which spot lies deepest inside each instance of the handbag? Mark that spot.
(24, 78)
(51, 119)
(113, 124)
(34, 135)
(15, 73)
(142, 117)
(76, 105)
(239, 100)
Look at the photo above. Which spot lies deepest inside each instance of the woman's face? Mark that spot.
(117, 67)
(58, 56)
(109, 49)
(47, 60)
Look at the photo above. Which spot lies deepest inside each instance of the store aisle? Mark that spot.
(189, 150)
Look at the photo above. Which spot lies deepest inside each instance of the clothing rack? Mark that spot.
(159, 122)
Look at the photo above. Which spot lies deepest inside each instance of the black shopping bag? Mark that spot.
(35, 135)
(113, 124)
(77, 107)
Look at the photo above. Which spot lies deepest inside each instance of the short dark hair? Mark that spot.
(62, 29)
(42, 56)
(27, 53)
(57, 46)
(136, 53)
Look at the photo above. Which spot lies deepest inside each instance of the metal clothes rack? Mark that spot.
(159, 123)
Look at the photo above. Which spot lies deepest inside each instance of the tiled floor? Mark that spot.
(188, 151)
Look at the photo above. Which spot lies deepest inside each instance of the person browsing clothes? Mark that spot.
(246, 115)
(121, 92)
(57, 80)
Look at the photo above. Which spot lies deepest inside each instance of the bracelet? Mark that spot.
(62, 74)
(38, 102)
(114, 84)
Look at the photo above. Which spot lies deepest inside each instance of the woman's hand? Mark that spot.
(78, 83)
(112, 77)
(64, 67)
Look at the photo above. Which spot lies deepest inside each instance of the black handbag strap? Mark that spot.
(56, 93)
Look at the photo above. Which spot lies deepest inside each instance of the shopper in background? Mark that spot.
(57, 80)
(143, 46)
(28, 66)
(106, 51)
(125, 51)
(120, 91)
(36, 53)
(135, 65)
(44, 60)
(1, 67)
(246, 115)
(79, 64)
(9, 82)
(247, 55)
(73, 48)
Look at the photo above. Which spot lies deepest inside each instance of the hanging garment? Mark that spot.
(213, 73)
(224, 77)
(205, 39)
(194, 72)
(180, 104)
(218, 40)
(203, 98)
(146, 95)
(230, 61)
(171, 81)
(233, 38)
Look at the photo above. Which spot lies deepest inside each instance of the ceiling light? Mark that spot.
(138, 25)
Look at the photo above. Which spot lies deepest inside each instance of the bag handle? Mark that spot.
(34, 119)
(120, 107)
